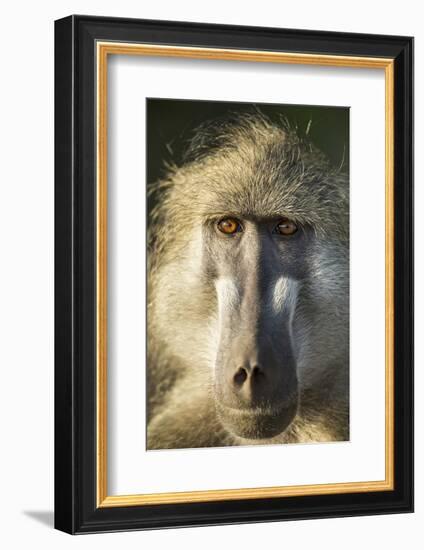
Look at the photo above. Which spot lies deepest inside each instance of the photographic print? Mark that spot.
(247, 274)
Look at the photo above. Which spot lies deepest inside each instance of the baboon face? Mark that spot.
(256, 265)
(254, 234)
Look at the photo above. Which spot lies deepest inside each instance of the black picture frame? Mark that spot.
(76, 509)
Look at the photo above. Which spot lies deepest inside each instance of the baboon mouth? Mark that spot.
(257, 423)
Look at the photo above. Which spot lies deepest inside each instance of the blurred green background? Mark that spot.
(171, 124)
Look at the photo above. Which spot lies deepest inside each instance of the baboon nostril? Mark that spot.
(257, 372)
(240, 376)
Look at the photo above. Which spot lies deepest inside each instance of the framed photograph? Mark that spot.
(233, 270)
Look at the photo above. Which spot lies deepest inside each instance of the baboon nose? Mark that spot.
(253, 374)
(252, 385)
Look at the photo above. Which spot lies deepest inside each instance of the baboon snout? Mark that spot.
(252, 382)
(256, 391)
(255, 370)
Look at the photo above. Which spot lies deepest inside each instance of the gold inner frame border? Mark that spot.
(103, 50)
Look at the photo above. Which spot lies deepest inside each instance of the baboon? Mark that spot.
(248, 291)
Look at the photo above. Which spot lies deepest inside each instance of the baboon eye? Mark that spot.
(229, 226)
(286, 227)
